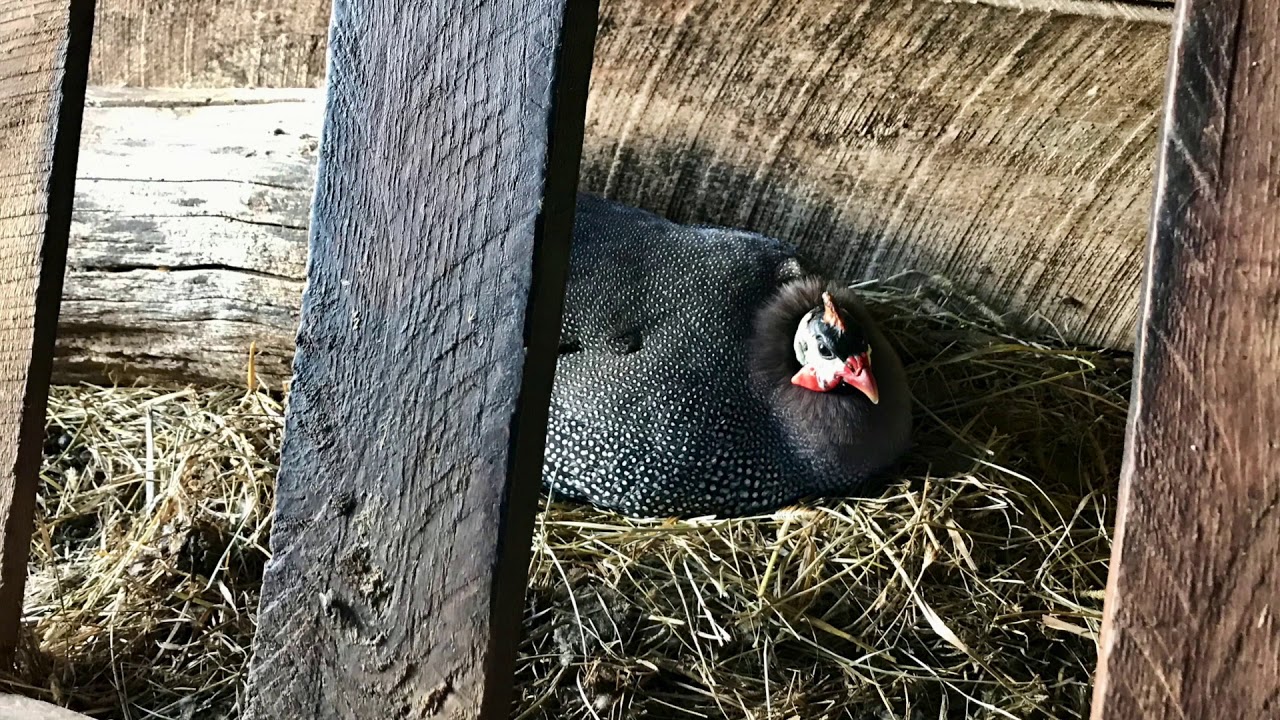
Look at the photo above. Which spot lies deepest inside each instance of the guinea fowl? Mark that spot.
(703, 372)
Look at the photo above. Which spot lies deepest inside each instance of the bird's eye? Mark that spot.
(825, 351)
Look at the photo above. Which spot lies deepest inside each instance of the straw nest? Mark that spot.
(971, 588)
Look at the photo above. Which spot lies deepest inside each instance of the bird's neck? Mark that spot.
(827, 424)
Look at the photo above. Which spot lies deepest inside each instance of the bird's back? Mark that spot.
(652, 411)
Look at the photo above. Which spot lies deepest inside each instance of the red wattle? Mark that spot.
(807, 378)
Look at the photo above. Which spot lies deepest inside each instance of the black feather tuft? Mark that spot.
(840, 430)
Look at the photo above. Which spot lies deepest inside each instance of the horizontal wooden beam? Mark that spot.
(418, 410)
(44, 61)
(189, 241)
(281, 43)
(1191, 627)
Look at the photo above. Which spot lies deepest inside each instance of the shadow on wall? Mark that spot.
(832, 233)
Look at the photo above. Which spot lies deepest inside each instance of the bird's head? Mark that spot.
(833, 352)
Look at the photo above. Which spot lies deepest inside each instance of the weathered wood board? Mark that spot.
(417, 414)
(44, 62)
(1008, 145)
(211, 43)
(1010, 151)
(189, 242)
(1190, 627)
(281, 43)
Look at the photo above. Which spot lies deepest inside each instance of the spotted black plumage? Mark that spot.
(672, 393)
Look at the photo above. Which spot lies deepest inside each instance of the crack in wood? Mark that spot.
(199, 267)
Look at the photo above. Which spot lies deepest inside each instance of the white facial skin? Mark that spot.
(806, 348)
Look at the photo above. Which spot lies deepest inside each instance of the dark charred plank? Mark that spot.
(414, 438)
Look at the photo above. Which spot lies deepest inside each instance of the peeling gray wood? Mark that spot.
(189, 235)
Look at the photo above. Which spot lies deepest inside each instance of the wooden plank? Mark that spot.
(416, 421)
(1191, 627)
(281, 43)
(189, 241)
(1009, 151)
(1008, 147)
(44, 60)
(210, 43)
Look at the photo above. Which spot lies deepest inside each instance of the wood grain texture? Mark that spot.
(281, 43)
(189, 239)
(211, 43)
(1190, 627)
(193, 203)
(44, 59)
(414, 435)
(1008, 151)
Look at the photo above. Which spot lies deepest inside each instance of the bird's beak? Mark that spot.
(857, 373)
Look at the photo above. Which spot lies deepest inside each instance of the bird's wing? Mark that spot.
(633, 272)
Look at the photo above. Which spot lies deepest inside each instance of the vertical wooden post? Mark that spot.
(44, 65)
(1192, 626)
(417, 413)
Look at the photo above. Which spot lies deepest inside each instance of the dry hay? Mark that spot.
(972, 588)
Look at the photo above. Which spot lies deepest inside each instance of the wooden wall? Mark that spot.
(1008, 145)
(210, 43)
